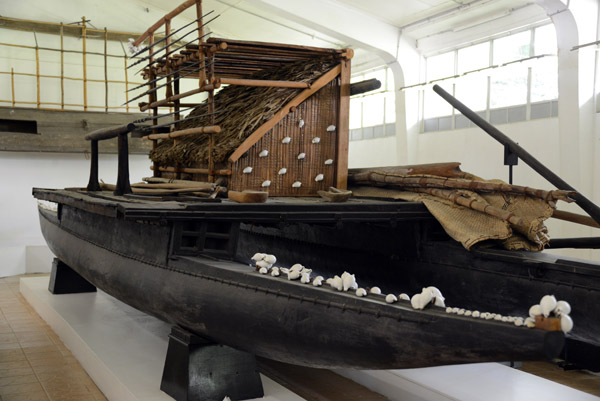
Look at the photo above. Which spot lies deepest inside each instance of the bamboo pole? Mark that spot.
(12, 85)
(575, 218)
(158, 191)
(401, 181)
(126, 84)
(475, 205)
(37, 69)
(168, 100)
(176, 185)
(213, 129)
(105, 70)
(265, 83)
(159, 180)
(62, 68)
(83, 34)
(57, 50)
(189, 170)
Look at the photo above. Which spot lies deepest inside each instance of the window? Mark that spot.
(373, 114)
(507, 79)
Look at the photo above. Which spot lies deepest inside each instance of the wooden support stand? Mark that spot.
(64, 280)
(93, 184)
(196, 369)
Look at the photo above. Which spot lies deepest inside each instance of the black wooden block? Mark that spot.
(196, 369)
(64, 280)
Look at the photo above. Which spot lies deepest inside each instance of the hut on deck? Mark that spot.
(281, 118)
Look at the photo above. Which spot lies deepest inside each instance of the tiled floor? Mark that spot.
(34, 364)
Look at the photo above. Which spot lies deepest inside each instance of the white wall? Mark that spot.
(373, 153)
(19, 227)
(569, 145)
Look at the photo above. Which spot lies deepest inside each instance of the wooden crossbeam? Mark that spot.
(214, 129)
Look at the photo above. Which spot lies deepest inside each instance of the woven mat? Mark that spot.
(471, 227)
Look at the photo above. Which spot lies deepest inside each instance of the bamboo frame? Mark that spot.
(83, 44)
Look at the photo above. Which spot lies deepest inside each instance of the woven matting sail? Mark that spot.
(471, 227)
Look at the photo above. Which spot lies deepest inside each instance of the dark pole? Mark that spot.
(586, 204)
(123, 186)
(93, 184)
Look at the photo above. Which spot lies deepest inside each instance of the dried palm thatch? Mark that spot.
(243, 110)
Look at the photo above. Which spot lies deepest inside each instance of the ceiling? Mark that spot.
(433, 25)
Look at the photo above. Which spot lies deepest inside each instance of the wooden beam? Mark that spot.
(192, 131)
(343, 126)
(266, 83)
(161, 21)
(295, 102)
(68, 30)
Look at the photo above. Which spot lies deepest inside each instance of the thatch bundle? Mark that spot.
(240, 111)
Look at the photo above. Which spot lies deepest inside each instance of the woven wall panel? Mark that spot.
(318, 112)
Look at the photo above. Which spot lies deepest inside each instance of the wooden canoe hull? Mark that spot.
(230, 303)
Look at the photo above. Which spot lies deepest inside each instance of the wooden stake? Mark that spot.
(343, 126)
(83, 39)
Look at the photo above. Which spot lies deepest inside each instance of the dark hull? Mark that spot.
(143, 264)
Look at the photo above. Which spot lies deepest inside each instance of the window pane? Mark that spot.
(434, 105)
(390, 108)
(373, 110)
(472, 91)
(544, 79)
(545, 40)
(511, 48)
(508, 86)
(440, 66)
(474, 57)
(355, 113)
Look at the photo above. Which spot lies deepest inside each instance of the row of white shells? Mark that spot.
(345, 282)
(248, 170)
(428, 296)
(330, 128)
(296, 184)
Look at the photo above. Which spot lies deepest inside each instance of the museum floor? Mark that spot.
(35, 365)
